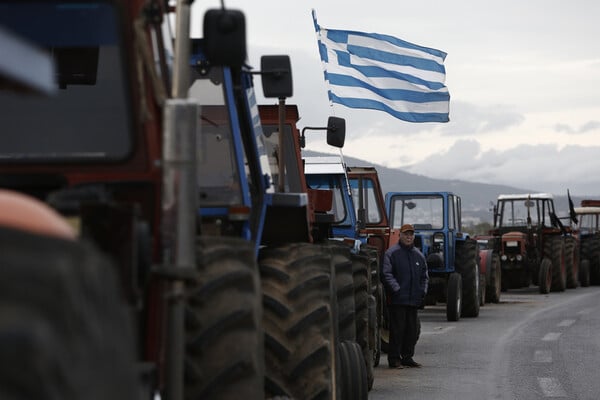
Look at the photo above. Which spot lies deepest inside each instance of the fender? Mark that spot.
(485, 263)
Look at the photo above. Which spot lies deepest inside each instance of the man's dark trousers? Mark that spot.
(403, 332)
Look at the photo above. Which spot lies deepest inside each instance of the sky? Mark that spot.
(523, 77)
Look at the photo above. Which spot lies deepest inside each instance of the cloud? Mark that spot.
(584, 128)
(542, 167)
(469, 119)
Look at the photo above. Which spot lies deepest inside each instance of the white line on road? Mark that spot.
(566, 322)
(551, 387)
(542, 356)
(551, 336)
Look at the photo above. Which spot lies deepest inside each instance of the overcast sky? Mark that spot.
(523, 76)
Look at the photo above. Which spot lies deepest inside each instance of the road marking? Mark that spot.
(542, 356)
(585, 311)
(566, 322)
(551, 336)
(437, 330)
(551, 387)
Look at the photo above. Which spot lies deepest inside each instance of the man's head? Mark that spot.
(407, 235)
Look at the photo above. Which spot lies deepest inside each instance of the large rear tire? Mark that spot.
(572, 262)
(467, 266)
(494, 287)
(298, 299)
(224, 338)
(554, 249)
(360, 275)
(545, 276)
(354, 374)
(454, 297)
(584, 273)
(65, 331)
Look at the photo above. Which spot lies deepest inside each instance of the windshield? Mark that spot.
(370, 203)
(423, 212)
(336, 184)
(217, 172)
(88, 116)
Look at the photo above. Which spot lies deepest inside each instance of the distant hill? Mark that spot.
(477, 198)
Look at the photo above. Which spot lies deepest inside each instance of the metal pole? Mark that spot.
(281, 161)
(179, 197)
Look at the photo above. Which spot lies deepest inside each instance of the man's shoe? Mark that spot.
(396, 365)
(410, 363)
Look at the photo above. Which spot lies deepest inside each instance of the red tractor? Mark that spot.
(532, 243)
(136, 301)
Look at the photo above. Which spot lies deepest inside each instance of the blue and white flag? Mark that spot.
(381, 72)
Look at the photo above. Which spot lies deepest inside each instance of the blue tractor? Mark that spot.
(452, 255)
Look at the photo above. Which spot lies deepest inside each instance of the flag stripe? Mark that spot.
(392, 94)
(398, 113)
(381, 72)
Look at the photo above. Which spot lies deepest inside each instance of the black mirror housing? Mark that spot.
(336, 131)
(276, 72)
(225, 37)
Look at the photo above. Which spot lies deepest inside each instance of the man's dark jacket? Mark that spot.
(404, 274)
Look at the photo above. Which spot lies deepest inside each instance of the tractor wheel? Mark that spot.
(344, 287)
(378, 326)
(454, 297)
(594, 257)
(467, 266)
(223, 317)
(545, 276)
(554, 248)
(375, 301)
(494, 287)
(572, 262)
(584, 273)
(360, 275)
(297, 299)
(354, 374)
(65, 331)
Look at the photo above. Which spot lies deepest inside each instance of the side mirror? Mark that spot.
(276, 74)
(336, 131)
(225, 37)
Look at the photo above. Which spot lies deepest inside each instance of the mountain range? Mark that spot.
(477, 199)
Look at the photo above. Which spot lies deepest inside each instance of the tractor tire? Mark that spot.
(344, 287)
(594, 257)
(584, 273)
(466, 264)
(298, 299)
(454, 297)
(360, 276)
(354, 374)
(379, 309)
(224, 353)
(572, 262)
(65, 330)
(376, 302)
(494, 286)
(545, 276)
(554, 249)
(590, 250)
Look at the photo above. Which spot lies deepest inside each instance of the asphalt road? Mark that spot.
(529, 346)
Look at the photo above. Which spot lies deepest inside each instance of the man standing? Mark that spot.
(405, 278)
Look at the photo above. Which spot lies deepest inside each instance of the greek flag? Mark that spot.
(381, 72)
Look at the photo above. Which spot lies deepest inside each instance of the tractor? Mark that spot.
(329, 173)
(588, 231)
(452, 255)
(532, 242)
(160, 266)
